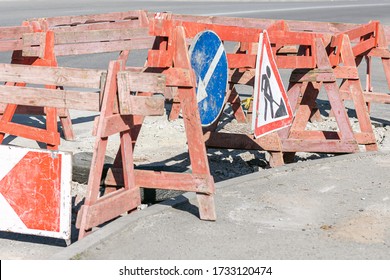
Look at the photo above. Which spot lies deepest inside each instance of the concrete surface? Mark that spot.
(334, 208)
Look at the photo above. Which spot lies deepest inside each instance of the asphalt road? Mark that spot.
(14, 12)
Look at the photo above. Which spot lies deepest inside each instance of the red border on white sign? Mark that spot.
(259, 127)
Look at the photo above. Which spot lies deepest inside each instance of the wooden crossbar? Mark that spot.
(45, 75)
(90, 41)
(104, 25)
(11, 37)
(42, 97)
(293, 25)
(92, 34)
(90, 19)
(72, 37)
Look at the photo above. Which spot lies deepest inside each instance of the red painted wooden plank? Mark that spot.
(163, 180)
(364, 46)
(60, 76)
(32, 133)
(319, 146)
(107, 208)
(40, 97)
(90, 19)
(241, 61)
(11, 45)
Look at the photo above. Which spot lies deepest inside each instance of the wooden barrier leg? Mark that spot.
(98, 157)
(386, 67)
(134, 133)
(66, 124)
(383, 43)
(193, 127)
(197, 149)
(276, 159)
(335, 100)
(128, 164)
(175, 110)
(305, 109)
(355, 88)
(7, 117)
(48, 59)
(51, 125)
(294, 92)
(98, 210)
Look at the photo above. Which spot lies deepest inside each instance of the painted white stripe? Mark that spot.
(202, 85)
(10, 156)
(296, 9)
(66, 197)
(9, 221)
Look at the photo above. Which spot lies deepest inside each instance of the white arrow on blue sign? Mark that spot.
(209, 62)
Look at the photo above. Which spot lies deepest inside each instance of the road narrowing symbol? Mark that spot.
(209, 62)
(271, 109)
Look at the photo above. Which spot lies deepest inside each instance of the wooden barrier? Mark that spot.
(70, 36)
(314, 70)
(12, 39)
(50, 136)
(82, 35)
(94, 28)
(319, 57)
(97, 210)
(292, 25)
(110, 121)
(178, 75)
(372, 43)
(91, 34)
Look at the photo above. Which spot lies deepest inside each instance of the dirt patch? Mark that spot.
(366, 228)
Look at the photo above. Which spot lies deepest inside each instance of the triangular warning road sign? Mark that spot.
(271, 108)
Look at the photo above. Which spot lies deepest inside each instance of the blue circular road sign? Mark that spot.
(209, 62)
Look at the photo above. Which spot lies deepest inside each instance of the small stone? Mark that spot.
(142, 207)
(326, 227)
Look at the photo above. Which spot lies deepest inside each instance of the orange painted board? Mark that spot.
(35, 193)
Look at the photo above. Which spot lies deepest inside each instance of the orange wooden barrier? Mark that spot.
(50, 136)
(97, 210)
(123, 173)
(371, 42)
(13, 39)
(92, 34)
(171, 51)
(303, 92)
(110, 121)
(68, 36)
(319, 55)
(364, 41)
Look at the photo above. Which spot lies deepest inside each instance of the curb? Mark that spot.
(100, 235)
